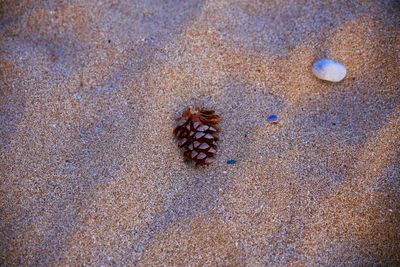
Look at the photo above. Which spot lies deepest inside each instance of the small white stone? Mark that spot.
(329, 70)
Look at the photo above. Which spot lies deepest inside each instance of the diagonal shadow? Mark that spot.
(80, 176)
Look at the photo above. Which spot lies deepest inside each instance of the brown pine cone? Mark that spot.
(197, 134)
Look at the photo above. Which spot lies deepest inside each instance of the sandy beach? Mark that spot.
(90, 172)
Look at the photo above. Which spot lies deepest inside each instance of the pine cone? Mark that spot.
(197, 134)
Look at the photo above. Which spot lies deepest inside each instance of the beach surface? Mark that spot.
(90, 172)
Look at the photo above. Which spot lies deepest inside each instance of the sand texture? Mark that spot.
(90, 171)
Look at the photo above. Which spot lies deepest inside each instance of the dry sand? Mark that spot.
(90, 171)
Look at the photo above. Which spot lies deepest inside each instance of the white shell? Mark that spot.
(329, 70)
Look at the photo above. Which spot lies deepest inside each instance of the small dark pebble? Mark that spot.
(231, 161)
(272, 118)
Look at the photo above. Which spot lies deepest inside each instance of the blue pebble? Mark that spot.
(272, 118)
(231, 161)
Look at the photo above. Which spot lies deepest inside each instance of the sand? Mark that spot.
(90, 171)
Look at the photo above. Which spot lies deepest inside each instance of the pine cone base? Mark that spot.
(197, 134)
